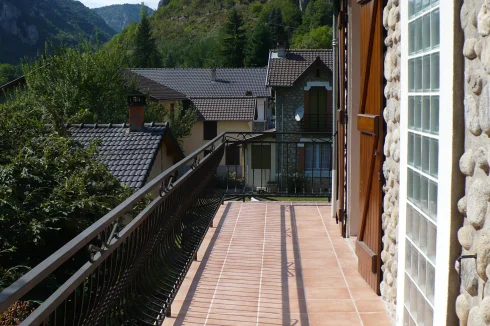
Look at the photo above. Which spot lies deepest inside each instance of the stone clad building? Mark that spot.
(411, 89)
(301, 82)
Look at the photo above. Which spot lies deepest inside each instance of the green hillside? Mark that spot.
(191, 33)
(26, 25)
(120, 16)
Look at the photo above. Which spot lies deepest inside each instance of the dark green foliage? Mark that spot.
(8, 73)
(276, 26)
(233, 44)
(58, 21)
(259, 43)
(146, 54)
(318, 13)
(51, 188)
(120, 16)
(181, 121)
(315, 31)
(74, 85)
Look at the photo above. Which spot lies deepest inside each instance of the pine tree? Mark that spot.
(146, 54)
(259, 43)
(275, 23)
(234, 41)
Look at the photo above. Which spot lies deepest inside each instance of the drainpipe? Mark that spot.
(335, 43)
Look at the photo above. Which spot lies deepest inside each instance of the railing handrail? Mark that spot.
(27, 282)
(32, 278)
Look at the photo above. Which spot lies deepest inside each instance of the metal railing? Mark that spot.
(317, 123)
(126, 268)
(279, 164)
(131, 272)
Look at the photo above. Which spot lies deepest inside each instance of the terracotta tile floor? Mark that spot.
(275, 263)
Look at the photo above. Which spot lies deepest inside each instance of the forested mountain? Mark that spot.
(26, 25)
(197, 33)
(120, 16)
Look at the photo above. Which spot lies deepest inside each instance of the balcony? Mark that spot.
(158, 258)
(275, 263)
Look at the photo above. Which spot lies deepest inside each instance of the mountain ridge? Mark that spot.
(119, 16)
(26, 25)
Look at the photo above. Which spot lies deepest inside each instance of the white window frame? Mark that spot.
(445, 187)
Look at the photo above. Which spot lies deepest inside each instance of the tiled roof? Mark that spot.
(129, 156)
(196, 82)
(285, 71)
(158, 91)
(215, 109)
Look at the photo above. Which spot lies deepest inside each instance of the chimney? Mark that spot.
(136, 104)
(213, 74)
(281, 49)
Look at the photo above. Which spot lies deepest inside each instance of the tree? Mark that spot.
(318, 13)
(259, 43)
(181, 121)
(275, 23)
(234, 40)
(81, 85)
(51, 188)
(317, 38)
(146, 53)
(7, 73)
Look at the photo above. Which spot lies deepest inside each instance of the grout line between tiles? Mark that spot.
(262, 265)
(223, 267)
(341, 270)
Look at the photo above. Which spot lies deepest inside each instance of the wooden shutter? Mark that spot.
(370, 125)
(261, 156)
(341, 129)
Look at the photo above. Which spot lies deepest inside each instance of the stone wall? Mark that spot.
(473, 303)
(391, 166)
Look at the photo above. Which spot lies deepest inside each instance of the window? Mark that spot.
(317, 157)
(422, 162)
(210, 129)
(232, 155)
(261, 156)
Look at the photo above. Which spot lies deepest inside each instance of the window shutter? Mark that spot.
(301, 151)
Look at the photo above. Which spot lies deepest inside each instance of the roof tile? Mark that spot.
(123, 151)
(285, 71)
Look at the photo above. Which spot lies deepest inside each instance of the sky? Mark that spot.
(101, 3)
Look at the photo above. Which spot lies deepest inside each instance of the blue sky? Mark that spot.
(101, 3)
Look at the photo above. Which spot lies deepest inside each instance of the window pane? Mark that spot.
(417, 113)
(426, 113)
(434, 114)
(210, 129)
(434, 72)
(261, 156)
(434, 157)
(426, 73)
(411, 79)
(425, 154)
(418, 74)
(434, 28)
(426, 32)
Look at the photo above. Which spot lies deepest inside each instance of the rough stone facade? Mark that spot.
(473, 303)
(391, 166)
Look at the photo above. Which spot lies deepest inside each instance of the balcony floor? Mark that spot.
(276, 263)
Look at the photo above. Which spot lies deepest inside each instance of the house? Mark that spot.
(226, 99)
(301, 81)
(135, 153)
(412, 78)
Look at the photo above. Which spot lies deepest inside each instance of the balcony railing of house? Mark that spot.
(127, 267)
(317, 123)
(278, 165)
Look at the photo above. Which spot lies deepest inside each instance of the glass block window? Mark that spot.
(422, 161)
